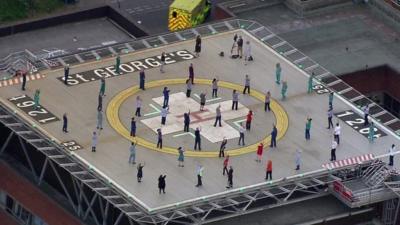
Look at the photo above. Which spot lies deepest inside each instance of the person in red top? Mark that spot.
(225, 169)
(249, 118)
(269, 170)
(259, 152)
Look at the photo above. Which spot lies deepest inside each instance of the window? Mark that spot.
(174, 14)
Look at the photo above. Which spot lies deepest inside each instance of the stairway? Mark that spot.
(376, 174)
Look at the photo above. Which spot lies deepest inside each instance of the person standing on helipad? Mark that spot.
(308, 129)
(166, 96)
(249, 118)
(235, 100)
(162, 59)
(99, 120)
(246, 84)
(391, 154)
(333, 150)
(133, 127)
(23, 80)
(200, 173)
(274, 134)
(94, 141)
(36, 99)
(100, 102)
(140, 172)
(159, 138)
(278, 71)
(247, 52)
(117, 64)
(267, 106)
(181, 157)
(371, 132)
(161, 183)
(366, 114)
(284, 89)
(191, 73)
(188, 87)
(225, 168)
(330, 115)
(268, 170)
(138, 106)
(222, 147)
(164, 113)
(197, 47)
(102, 86)
(197, 139)
(298, 159)
(218, 116)
(215, 88)
(260, 149)
(330, 99)
(142, 78)
(202, 100)
(65, 123)
(310, 83)
(241, 134)
(230, 177)
(132, 153)
(66, 74)
(240, 46)
(186, 121)
(337, 133)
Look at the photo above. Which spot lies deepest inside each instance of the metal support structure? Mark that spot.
(63, 187)
(28, 159)
(43, 171)
(6, 142)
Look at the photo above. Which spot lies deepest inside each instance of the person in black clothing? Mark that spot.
(240, 46)
(65, 123)
(197, 139)
(230, 177)
(161, 183)
(222, 148)
(197, 47)
(162, 59)
(186, 121)
(23, 80)
(140, 172)
(100, 103)
(159, 138)
(274, 133)
(66, 74)
(142, 77)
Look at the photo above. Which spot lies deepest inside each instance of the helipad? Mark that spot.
(79, 101)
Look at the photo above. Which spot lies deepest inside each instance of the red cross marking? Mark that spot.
(197, 116)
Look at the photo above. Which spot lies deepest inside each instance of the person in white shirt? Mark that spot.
(241, 134)
(333, 150)
(337, 133)
(391, 154)
(138, 106)
(247, 52)
(366, 113)
(164, 112)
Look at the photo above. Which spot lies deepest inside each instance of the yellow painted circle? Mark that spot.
(282, 120)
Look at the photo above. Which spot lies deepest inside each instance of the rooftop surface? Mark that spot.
(79, 101)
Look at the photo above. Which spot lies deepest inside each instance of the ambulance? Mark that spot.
(187, 13)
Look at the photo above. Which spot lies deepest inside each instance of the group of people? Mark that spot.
(236, 52)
